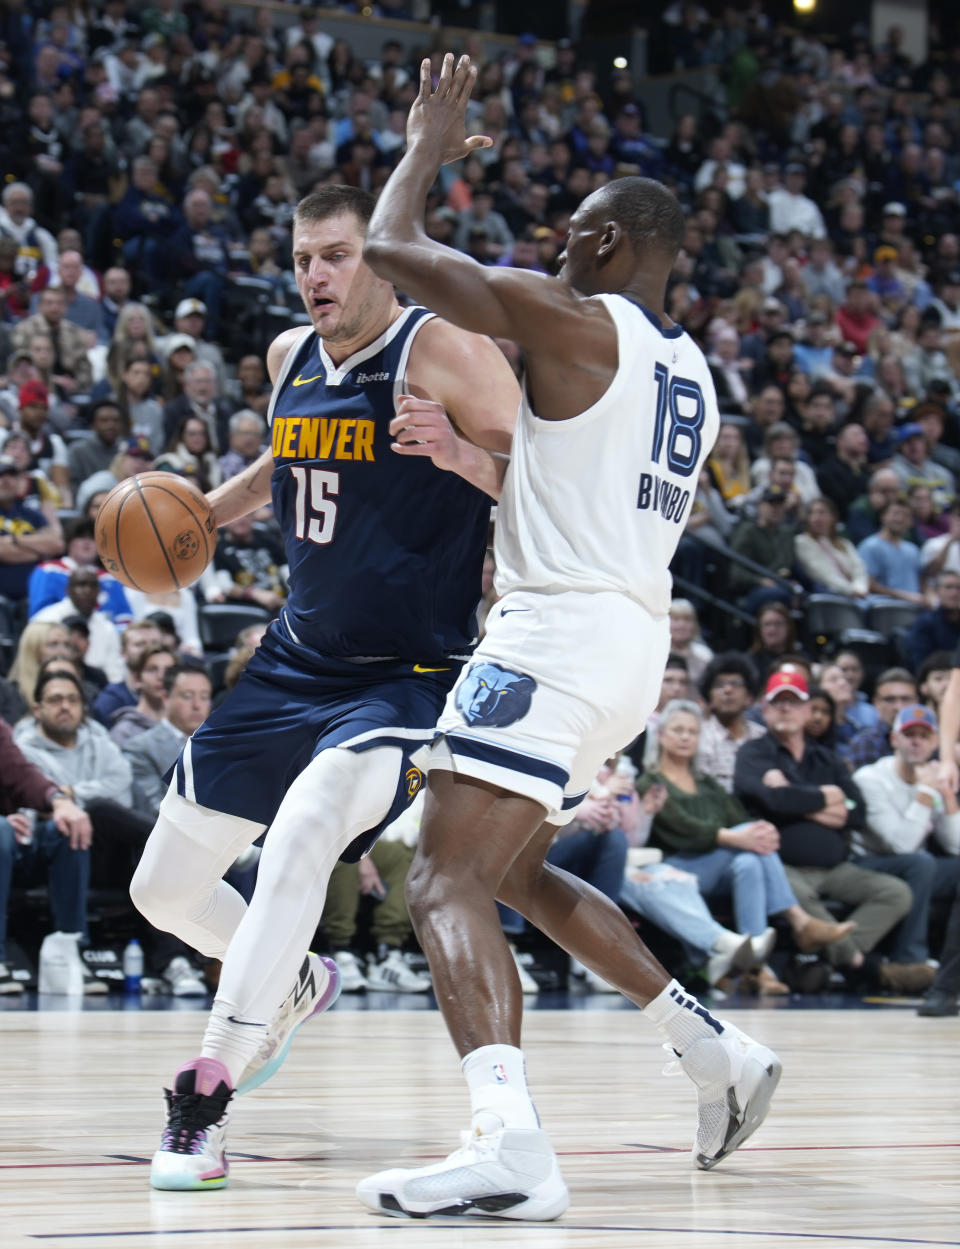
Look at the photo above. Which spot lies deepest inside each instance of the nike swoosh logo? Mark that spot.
(506, 611)
(245, 1023)
(304, 381)
(417, 668)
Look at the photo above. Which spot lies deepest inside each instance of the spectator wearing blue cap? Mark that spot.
(630, 146)
(909, 807)
(915, 467)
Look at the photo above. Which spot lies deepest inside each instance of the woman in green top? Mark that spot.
(704, 830)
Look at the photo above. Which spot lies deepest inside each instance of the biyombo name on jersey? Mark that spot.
(659, 495)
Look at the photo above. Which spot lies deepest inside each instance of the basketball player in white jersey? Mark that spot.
(619, 414)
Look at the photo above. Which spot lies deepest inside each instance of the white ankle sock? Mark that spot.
(233, 1040)
(497, 1079)
(681, 1018)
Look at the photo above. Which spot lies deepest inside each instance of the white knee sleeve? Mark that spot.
(338, 796)
(178, 883)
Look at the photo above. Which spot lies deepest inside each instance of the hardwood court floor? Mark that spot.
(862, 1146)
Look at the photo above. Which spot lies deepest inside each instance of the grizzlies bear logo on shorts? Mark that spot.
(493, 696)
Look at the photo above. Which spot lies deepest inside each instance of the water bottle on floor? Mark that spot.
(132, 966)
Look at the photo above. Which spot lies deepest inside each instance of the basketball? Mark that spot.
(155, 532)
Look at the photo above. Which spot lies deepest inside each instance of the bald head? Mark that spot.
(649, 214)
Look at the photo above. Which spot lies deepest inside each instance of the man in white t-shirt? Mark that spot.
(791, 210)
(909, 806)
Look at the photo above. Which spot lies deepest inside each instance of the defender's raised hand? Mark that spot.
(437, 118)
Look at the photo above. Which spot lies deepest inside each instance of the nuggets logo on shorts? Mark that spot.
(493, 696)
(414, 779)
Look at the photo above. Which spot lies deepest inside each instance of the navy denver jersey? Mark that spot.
(385, 551)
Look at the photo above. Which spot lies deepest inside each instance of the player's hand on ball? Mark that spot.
(422, 427)
(438, 117)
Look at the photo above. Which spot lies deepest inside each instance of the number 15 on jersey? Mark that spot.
(316, 506)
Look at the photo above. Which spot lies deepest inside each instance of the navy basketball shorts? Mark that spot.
(290, 704)
(559, 684)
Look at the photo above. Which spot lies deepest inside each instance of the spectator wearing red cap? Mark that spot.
(805, 791)
(909, 807)
(48, 452)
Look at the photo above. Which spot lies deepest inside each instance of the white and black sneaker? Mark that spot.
(391, 973)
(736, 1078)
(8, 980)
(510, 1173)
(183, 980)
(352, 979)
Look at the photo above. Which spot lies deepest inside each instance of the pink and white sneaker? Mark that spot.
(192, 1153)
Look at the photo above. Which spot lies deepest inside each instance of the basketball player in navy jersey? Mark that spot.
(618, 416)
(384, 513)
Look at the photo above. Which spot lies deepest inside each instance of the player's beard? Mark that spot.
(359, 321)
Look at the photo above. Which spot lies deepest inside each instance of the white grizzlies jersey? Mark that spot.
(599, 502)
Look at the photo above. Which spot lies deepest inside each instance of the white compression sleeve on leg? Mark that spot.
(178, 883)
(338, 796)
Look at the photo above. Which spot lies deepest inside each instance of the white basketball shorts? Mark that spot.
(559, 683)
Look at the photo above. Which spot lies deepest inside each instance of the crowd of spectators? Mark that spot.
(152, 160)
